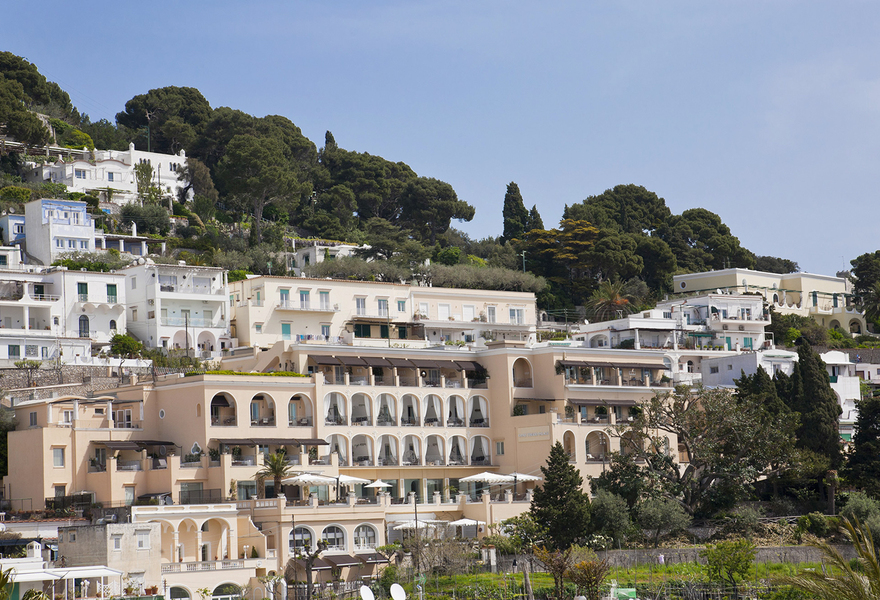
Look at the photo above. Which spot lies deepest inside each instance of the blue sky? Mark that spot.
(767, 113)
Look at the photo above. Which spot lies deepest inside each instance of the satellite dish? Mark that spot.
(397, 592)
(162, 451)
(367, 593)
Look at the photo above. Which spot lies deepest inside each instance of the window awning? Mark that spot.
(342, 560)
(375, 361)
(120, 445)
(313, 442)
(373, 558)
(614, 364)
(536, 399)
(467, 365)
(425, 364)
(220, 401)
(273, 442)
(324, 360)
(236, 442)
(591, 402)
(401, 363)
(276, 441)
(448, 364)
(318, 565)
(351, 361)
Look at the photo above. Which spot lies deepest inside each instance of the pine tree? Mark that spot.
(560, 505)
(863, 464)
(515, 214)
(760, 388)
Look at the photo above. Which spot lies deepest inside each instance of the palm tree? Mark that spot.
(6, 583)
(871, 303)
(843, 582)
(611, 300)
(275, 467)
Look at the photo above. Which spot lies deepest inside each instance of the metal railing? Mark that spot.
(201, 496)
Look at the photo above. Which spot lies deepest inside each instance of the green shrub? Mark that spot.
(15, 194)
(860, 506)
(814, 523)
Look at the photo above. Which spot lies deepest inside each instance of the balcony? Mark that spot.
(300, 422)
(244, 461)
(191, 322)
(213, 496)
(304, 306)
(263, 422)
(128, 465)
(335, 420)
(361, 422)
(479, 422)
(221, 421)
(522, 382)
(207, 565)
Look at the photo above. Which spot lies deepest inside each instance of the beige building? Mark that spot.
(825, 298)
(411, 410)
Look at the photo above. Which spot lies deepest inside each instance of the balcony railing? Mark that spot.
(212, 496)
(244, 461)
(210, 565)
(361, 421)
(522, 382)
(191, 322)
(263, 422)
(128, 465)
(219, 421)
(479, 422)
(335, 420)
(301, 422)
(294, 305)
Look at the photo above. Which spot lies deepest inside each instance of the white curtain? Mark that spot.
(388, 447)
(434, 447)
(478, 448)
(412, 401)
(459, 407)
(459, 443)
(432, 401)
(484, 408)
(339, 445)
(411, 448)
(327, 399)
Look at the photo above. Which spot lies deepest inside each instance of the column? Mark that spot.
(27, 314)
(199, 544)
(638, 344)
(175, 556)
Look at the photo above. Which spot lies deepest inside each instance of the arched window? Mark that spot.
(334, 537)
(364, 538)
(83, 326)
(300, 540)
(112, 325)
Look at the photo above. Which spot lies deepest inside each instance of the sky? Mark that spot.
(764, 112)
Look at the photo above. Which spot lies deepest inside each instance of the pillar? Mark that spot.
(638, 344)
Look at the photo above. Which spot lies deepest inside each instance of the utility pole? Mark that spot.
(523, 254)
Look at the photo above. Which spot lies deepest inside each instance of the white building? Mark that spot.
(96, 172)
(178, 306)
(55, 227)
(312, 252)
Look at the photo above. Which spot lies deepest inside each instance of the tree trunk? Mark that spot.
(527, 583)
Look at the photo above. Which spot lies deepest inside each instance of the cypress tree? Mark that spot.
(811, 395)
(560, 505)
(515, 214)
(863, 464)
(760, 388)
(535, 220)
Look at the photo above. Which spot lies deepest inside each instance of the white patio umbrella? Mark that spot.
(486, 477)
(466, 522)
(306, 479)
(413, 525)
(378, 484)
(522, 477)
(349, 480)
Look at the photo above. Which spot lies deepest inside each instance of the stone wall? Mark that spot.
(67, 380)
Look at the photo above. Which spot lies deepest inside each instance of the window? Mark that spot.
(300, 540)
(468, 312)
(490, 314)
(134, 314)
(383, 307)
(364, 537)
(71, 536)
(423, 309)
(14, 351)
(79, 173)
(67, 416)
(730, 367)
(285, 331)
(284, 297)
(325, 300)
(82, 291)
(499, 448)
(143, 540)
(361, 305)
(57, 457)
(31, 350)
(325, 330)
(117, 542)
(111, 292)
(33, 419)
(713, 369)
(304, 299)
(667, 315)
(71, 244)
(110, 176)
(3, 260)
(258, 327)
(134, 283)
(401, 306)
(362, 330)
(334, 537)
(443, 312)
(83, 244)
(517, 316)
(59, 243)
(18, 228)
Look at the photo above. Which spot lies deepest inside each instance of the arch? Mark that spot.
(301, 540)
(599, 341)
(335, 409)
(478, 411)
(569, 445)
(409, 411)
(84, 329)
(458, 452)
(206, 341)
(112, 325)
(215, 539)
(365, 537)
(412, 450)
(631, 443)
(388, 446)
(834, 324)
(596, 445)
(479, 450)
(339, 445)
(262, 410)
(455, 411)
(361, 409)
(433, 410)
(198, 409)
(522, 373)
(386, 410)
(434, 450)
(299, 411)
(855, 326)
(181, 339)
(334, 537)
(775, 298)
(362, 450)
(227, 589)
(178, 592)
(223, 409)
